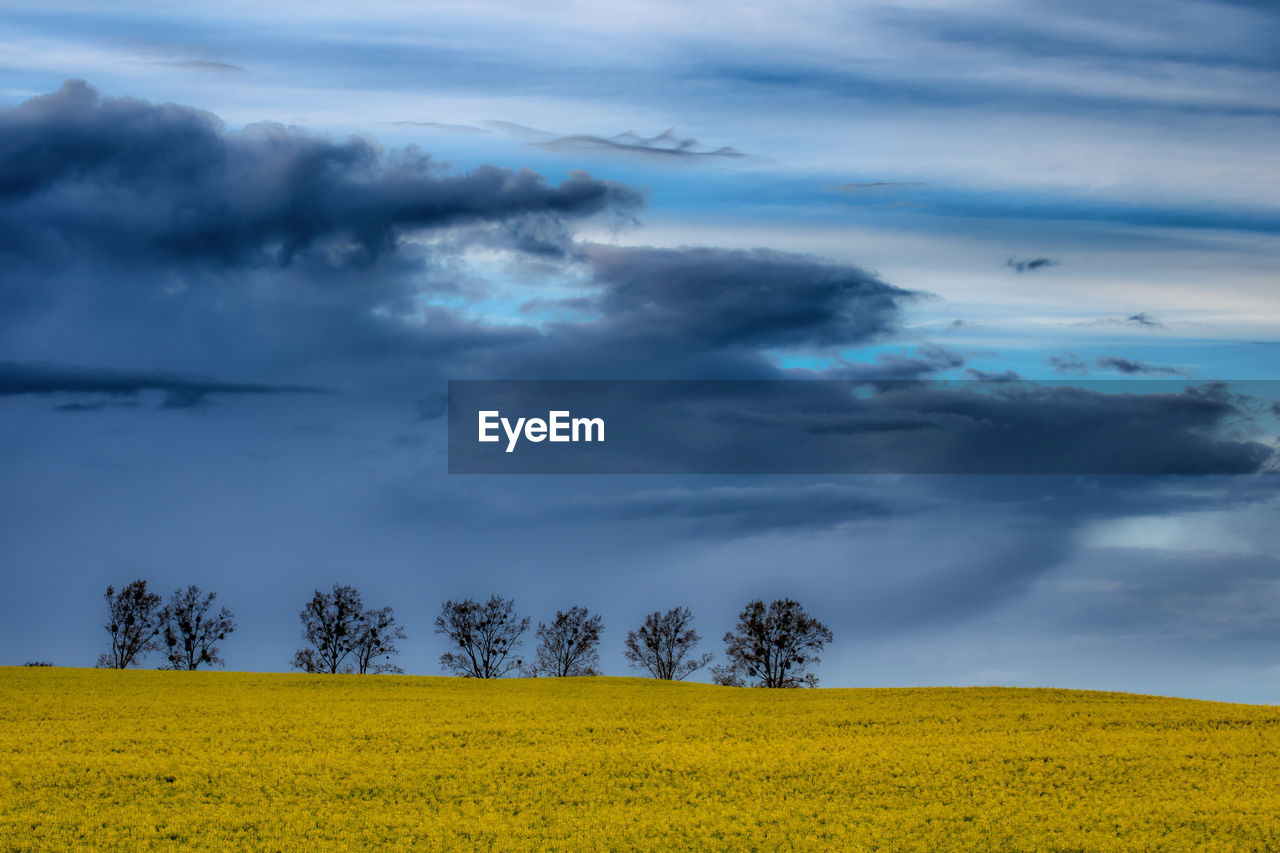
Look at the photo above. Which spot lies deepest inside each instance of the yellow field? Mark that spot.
(167, 760)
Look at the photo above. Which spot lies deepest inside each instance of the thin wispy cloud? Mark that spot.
(1141, 320)
(1068, 364)
(854, 188)
(665, 144)
(200, 65)
(1133, 367)
(1030, 265)
(444, 126)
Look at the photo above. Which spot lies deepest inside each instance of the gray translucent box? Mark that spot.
(861, 427)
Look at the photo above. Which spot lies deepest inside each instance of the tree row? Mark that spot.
(772, 645)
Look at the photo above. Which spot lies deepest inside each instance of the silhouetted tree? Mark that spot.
(190, 629)
(132, 625)
(663, 645)
(332, 625)
(773, 646)
(569, 645)
(485, 636)
(377, 639)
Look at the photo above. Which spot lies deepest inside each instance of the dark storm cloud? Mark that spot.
(164, 183)
(1030, 265)
(179, 391)
(1131, 367)
(284, 251)
(643, 312)
(722, 298)
(272, 239)
(1010, 427)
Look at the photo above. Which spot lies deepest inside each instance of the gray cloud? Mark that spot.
(179, 391)
(1132, 367)
(163, 183)
(665, 144)
(752, 510)
(855, 188)
(437, 125)
(1030, 265)
(1068, 364)
(989, 376)
(1142, 320)
(199, 65)
(929, 359)
(729, 298)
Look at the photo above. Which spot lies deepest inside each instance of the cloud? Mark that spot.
(519, 130)
(1196, 597)
(140, 233)
(1069, 364)
(989, 376)
(1030, 265)
(1142, 320)
(927, 360)
(723, 298)
(164, 183)
(735, 511)
(200, 65)
(855, 188)
(437, 125)
(1131, 367)
(180, 391)
(665, 144)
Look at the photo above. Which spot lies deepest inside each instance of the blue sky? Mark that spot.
(1130, 149)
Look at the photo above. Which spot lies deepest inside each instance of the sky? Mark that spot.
(243, 248)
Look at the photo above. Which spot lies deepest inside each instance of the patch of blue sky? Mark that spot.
(496, 289)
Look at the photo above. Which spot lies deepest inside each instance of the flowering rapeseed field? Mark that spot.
(100, 760)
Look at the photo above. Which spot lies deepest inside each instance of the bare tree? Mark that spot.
(569, 645)
(132, 625)
(663, 645)
(332, 624)
(376, 642)
(773, 646)
(485, 636)
(191, 628)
